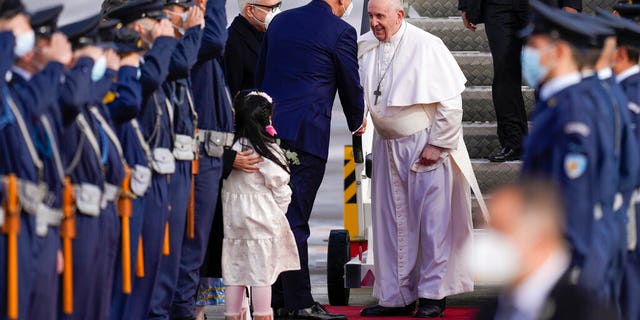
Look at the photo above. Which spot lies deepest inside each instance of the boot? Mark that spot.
(234, 316)
(263, 316)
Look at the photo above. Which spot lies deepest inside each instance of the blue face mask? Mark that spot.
(533, 71)
(99, 69)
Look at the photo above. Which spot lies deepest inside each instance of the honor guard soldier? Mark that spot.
(156, 122)
(214, 127)
(565, 143)
(87, 151)
(628, 75)
(20, 161)
(187, 20)
(603, 267)
(136, 152)
(48, 128)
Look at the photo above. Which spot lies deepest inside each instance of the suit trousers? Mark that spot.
(119, 300)
(193, 250)
(292, 290)
(170, 265)
(502, 24)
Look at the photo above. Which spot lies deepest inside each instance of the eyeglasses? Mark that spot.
(271, 7)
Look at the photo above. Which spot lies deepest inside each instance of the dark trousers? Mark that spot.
(502, 24)
(292, 290)
(119, 300)
(194, 250)
(86, 250)
(43, 303)
(26, 265)
(156, 212)
(105, 266)
(179, 190)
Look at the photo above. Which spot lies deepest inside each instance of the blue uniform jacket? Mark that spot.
(127, 92)
(70, 94)
(154, 116)
(563, 145)
(178, 85)
(212, 101)
(308, 53)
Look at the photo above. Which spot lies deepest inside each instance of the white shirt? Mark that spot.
(529, 297)
(628, 73)
(558, 84)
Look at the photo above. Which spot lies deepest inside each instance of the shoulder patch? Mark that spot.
(575, 164)
(577, 128)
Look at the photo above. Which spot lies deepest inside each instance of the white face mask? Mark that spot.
(24, 43)
(269, 17)
(99, 69)
(347, 11)
(493, 258)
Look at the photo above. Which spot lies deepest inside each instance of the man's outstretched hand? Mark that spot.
(247, 161)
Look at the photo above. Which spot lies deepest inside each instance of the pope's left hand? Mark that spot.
(430, 155)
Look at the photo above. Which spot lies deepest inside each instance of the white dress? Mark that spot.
(258, 243)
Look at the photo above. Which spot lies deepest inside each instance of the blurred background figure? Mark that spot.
(526, 230)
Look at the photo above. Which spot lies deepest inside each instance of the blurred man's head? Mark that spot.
(385, 18)
(18, 23)
(624, 58)
(529, 215)
(259, 13)
(340, 8)
(525, 229)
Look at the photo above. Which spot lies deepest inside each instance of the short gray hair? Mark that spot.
(242, 4)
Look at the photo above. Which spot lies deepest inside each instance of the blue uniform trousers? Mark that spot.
(119, 299)
(105, 267)
(292, 290)
(179, 190)
(25, 267)
(193, 250)
(86, 250)
(156, 212)
(43, 303)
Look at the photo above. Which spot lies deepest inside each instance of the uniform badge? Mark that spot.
(575, 164)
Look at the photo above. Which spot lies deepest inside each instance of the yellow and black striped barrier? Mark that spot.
(350, 202)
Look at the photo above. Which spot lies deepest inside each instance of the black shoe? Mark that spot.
(316, 312)
(281, 313)
(380, 311)
(428, 308)
(506, 154)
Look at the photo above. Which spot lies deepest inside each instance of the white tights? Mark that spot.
(260, 296)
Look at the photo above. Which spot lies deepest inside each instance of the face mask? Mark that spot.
(533, 71)
(269, 17)
(99, 68)
(493, 258)
(24, 43)
(347, 11)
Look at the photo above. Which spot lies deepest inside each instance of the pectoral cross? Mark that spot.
(377, 93)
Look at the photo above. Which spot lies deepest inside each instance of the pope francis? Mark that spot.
(421, 195)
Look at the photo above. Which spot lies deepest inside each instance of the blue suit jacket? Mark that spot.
(308, 54)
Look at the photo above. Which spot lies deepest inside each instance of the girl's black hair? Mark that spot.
(252, 115)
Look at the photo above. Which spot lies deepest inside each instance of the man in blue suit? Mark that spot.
(301, 65)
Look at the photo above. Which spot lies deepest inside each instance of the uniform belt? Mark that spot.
(220, 138)
(184, 147)
(88, 199)
(30, 196)
(46, 217)
(111, 193)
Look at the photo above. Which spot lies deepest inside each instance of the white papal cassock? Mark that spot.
(421, 215)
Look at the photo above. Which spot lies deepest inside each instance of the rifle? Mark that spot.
(11, 228)
(140, 259)
(191, 208)
(124, 210)
(67, 232)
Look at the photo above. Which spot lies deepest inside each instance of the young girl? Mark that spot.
(258, 244)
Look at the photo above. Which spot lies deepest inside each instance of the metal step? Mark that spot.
(476, 66)
(478, 103)
(453, 33)
(449, 8)
(481, 139)
(491, 175)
